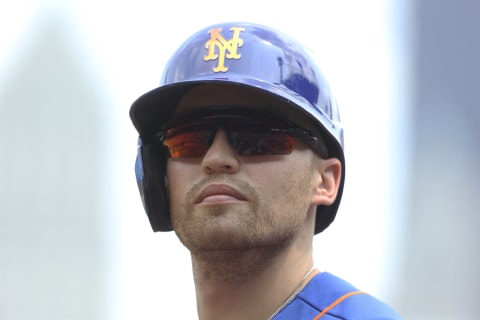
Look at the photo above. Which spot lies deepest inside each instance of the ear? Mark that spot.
(327, 181)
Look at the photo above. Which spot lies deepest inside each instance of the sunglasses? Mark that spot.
(250, 133)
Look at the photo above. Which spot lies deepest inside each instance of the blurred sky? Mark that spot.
(122, 47)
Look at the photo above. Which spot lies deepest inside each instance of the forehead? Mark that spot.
(215, 94)
(208, 95)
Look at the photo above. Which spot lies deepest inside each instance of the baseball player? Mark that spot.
(241, 154)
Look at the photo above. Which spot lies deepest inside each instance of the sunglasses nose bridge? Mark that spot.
(213, 134)
(220, 154)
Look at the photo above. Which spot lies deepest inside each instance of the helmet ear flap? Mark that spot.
(150, 172)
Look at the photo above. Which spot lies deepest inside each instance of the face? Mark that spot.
(223, 201)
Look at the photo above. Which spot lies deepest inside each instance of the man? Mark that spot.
(241, 154)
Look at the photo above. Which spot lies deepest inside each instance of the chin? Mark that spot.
(233, 238)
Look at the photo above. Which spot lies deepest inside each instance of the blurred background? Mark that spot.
(74, 240)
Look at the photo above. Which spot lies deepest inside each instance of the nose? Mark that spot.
(220, 157)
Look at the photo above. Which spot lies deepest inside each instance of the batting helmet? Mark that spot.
(244, 54)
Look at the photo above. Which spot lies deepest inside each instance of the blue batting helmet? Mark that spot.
(244, 54)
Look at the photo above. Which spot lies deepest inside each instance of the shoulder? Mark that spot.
(327, 297)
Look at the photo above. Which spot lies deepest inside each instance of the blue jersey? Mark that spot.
(327, 297)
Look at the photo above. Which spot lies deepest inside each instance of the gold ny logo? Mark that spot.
(217, 40)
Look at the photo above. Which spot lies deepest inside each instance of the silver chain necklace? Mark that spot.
(297, 290)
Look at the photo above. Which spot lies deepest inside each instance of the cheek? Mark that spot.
(180, 176)
(297, 180)
(283, 186)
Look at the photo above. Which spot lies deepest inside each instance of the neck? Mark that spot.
(249, 284)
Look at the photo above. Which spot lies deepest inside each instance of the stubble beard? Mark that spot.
(225, 227)
(245, 238)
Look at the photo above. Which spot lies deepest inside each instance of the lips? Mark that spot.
(217, 193)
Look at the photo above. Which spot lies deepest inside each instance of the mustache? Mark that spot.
(242, 186)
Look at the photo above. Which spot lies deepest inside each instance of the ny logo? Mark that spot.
(218, 41)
